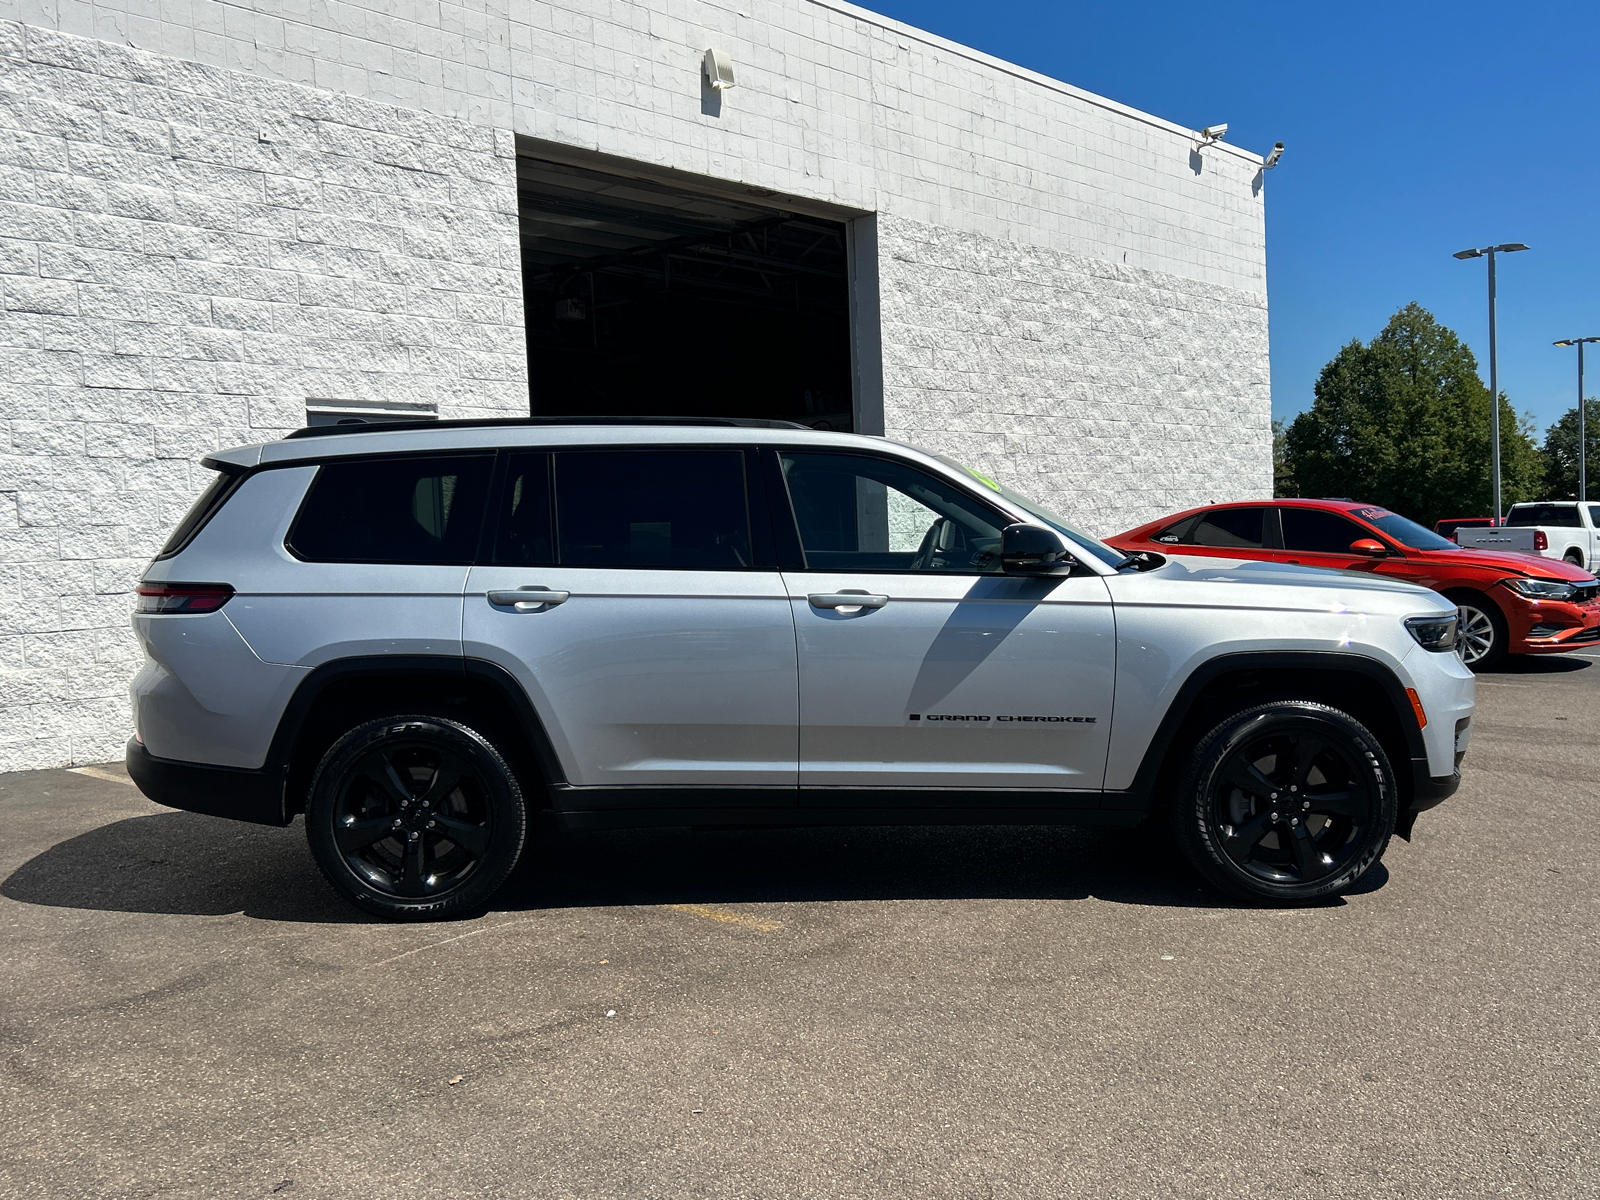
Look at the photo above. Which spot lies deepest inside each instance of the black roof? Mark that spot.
(496, 422)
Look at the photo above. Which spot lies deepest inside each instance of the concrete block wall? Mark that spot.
(186, 254)
(1110, 393)
(833, 103)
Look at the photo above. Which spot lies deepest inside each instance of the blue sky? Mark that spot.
(1412, 129)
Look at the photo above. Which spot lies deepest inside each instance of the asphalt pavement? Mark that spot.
(187, 1010)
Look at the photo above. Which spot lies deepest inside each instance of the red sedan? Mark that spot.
(1510, 603)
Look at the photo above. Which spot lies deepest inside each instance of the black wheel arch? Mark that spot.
(339, 695)
(1354, 683)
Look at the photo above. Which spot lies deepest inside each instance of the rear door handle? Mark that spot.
(846, 600)
(529, 598)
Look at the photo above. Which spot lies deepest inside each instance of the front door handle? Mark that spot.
(529, 598)
(846, 600)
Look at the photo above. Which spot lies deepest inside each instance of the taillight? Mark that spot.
(182, 597)
(1540, 540)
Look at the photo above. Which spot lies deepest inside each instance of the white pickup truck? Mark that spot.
(1551, 528)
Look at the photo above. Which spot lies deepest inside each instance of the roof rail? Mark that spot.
(499, 422)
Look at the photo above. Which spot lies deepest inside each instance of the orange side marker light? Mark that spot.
(1416, 707)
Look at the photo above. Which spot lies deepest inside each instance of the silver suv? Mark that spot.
(427, 637)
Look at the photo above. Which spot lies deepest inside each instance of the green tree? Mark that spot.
(1403, 421)
(1560, 453)
(1282, 476)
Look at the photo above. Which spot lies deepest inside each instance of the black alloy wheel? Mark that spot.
(1481, 635)
(1286, 803)
(415, 817)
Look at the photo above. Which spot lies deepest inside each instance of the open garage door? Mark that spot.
(645, 299)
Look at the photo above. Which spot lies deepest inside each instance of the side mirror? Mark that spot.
(1034, 550)
(1371, 547)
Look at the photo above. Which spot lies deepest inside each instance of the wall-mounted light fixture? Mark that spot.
(718, 70)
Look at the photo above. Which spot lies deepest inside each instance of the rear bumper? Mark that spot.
(232, 792)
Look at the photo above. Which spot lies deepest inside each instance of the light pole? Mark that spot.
(1494, 378)
(1583, 444)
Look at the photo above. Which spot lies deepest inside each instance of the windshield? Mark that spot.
(1406, 532)
(1090, 545)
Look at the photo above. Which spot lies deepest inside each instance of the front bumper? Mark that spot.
(1553, 626)
(232, 792)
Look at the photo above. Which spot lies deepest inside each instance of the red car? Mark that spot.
(1448, 526)
(1510, 603)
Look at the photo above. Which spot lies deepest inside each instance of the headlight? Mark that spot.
(1433, 633)
(1541, 589)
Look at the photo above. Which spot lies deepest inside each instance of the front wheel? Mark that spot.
(415, 818)
(1481, 635)
(1286, 803)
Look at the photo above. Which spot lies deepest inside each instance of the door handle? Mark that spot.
(846, 600)
(529, 598)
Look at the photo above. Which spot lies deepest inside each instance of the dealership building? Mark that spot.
(220, 221)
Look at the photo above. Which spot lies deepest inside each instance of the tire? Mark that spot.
(1483, 634)
(415, 818)
(1573, 557)
(1232, 818)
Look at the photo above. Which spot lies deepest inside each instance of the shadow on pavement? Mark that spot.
(185, 864)
(1541, 664)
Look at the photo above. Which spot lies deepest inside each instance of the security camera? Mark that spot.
(1214, 133)
(1272, 159)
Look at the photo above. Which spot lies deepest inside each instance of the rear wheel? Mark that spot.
(415, 818)
(1286, 803)
(1481, 639)
(1573, 557)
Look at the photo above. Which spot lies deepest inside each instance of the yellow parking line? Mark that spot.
(101, 773)
(727, 918)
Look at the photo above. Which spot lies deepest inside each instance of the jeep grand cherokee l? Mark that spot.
(422, 638)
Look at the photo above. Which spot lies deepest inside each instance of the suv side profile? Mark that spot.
(427, 639)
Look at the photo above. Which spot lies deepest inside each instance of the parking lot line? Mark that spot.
(101, 773)
(760, 924)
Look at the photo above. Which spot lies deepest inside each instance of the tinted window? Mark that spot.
(1559, 516)
(857, 513)
(1318, 532)
(652, 508)
(202, 510)
(394, 510)
(1231, 527)
(1594, 515)
(1173, 534)
(1404, 530)
(523, 535)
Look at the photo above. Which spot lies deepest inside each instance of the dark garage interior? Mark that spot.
(645, 299)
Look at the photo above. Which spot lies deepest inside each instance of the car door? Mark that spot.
(1248, 531)
(1316, 537)
(626, 590)
(945, 674)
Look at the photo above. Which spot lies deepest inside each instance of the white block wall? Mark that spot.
(216, 208)
(186, 254)
(1110, 393)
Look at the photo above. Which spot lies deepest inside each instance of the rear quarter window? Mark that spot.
(412, 511)
(201, 511)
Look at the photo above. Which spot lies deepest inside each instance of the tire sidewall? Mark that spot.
(1192, 810)
(501, 791)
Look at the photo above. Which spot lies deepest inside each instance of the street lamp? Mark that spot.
(1583, 445)
(1494, 378)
